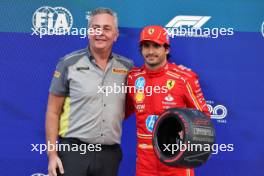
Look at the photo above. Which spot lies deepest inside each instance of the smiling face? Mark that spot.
(155, 55)
(107, 24)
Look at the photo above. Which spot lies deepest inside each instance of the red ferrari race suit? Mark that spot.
(169, 86)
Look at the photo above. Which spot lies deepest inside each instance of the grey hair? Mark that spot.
(103, 10)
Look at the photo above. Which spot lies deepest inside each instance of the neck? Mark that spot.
(100, 55)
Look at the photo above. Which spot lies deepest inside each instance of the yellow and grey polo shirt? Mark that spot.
(88, 114)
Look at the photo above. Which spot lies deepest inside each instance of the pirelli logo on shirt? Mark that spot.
(119, 71)
(56, 74)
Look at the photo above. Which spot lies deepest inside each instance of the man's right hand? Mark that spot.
(55, 104)
(54, 163)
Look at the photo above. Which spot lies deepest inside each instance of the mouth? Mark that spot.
(99, 38)
(151, 57)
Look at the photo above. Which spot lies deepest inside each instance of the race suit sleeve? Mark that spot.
(194, 95)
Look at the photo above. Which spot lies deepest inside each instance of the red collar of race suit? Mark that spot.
(157, 72)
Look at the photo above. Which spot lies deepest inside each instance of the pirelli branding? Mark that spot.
(119, 71)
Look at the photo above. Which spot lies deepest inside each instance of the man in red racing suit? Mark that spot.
(153, 88)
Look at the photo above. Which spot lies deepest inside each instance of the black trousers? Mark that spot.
(89, 163)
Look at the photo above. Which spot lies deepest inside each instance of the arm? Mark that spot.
(129, 106)
(194, 96)
(54, 109)
(129, 109)
(58, 92)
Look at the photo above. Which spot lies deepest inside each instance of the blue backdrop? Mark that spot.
(230, 69)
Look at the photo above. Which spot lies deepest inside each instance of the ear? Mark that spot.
(116, 36)
(167, 50)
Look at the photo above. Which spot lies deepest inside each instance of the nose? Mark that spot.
(151, 49)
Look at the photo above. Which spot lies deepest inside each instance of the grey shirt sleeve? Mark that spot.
(59, 83)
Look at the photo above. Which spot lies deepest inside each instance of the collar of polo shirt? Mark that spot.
(91, 57)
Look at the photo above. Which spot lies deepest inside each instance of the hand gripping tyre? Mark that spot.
(183, 137)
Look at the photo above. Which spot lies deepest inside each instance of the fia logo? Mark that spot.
(52, 20)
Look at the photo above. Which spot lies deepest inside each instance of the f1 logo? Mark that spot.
(194, 21)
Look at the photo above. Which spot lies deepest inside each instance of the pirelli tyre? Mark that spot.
(183, 137)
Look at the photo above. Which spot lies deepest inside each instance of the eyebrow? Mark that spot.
(97, 25)
(148, 44)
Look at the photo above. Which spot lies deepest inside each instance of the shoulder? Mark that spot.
(136, 71)
(183, 72)
(72, 58)
(123, 60)
(134, 74)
